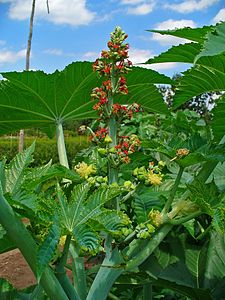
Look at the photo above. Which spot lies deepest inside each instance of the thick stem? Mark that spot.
(61, 272)
(173, 191)
(63, 259)
(145, 252)
(108, 273)
(61, 145)
(79, 275)
(20, 236)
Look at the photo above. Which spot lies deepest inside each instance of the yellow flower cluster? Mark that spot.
(153, 178)
(155, 217)
(85, 170)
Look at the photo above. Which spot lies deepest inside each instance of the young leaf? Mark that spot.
(15, 172)
(47, 250)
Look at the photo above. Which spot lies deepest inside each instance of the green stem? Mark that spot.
(61, 145)
(21, 237)
(79, 275)
(106, 276)
(185, 219)
(173, 191)
(63, 259)
(61, 272)
(146, 251)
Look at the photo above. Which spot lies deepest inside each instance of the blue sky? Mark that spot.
(78, 29)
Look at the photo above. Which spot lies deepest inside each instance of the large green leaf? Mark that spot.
(198, 80)
(192, 34)
(37, 99)
(214, 43)
(34, 98)
(184, 53)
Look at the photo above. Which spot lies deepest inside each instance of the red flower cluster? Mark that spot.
(127, 146)
(99, 134)
(125, 111)
(117, 56)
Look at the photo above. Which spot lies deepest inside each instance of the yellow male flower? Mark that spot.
(85, 170)
(154, 179)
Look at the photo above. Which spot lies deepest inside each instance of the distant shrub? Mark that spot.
(45, 150)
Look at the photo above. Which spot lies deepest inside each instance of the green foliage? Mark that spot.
(45, 99)
(145, 199)
(214, 42)
(47, 249)
(192, 270)
(14, 173)
(45, 149)
(91, 215)
(193, 34)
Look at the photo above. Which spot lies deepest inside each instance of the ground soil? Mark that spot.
(14, 268)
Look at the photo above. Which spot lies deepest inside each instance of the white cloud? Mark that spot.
(163, 66)
(138, 7)
(57, 52)
(189, 6)
(171, 24)
(91, 55)
(220, 16)
(139, 56)
(69, 12)
(142, 9)
(7, 56)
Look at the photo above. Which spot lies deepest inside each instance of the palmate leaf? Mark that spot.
(35, 99)
(47, 249)
(15, 172)
(76, 206)
(86, 237)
